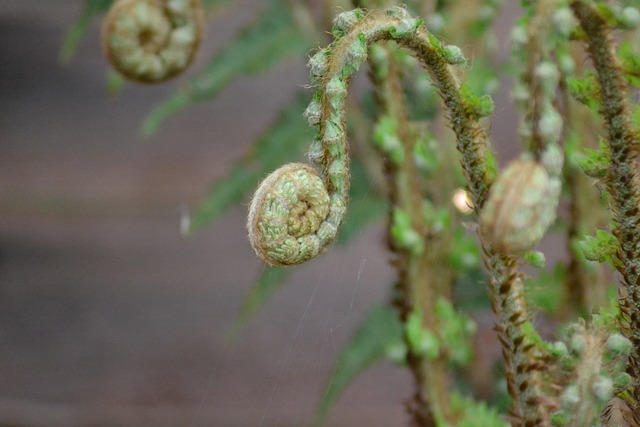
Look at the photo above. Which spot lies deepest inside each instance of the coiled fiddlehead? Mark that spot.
(151, 41)
(332, 69)
(288, 213)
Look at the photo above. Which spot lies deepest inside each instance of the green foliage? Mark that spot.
(630, 62)
(115, 83)
(465, 254)
(585, 90)
(425, 154)
(437, 219)
(608, 316)
(380, 330)
(535, 259)
(385, 136)
(455, 332)
(475, 414)
(480, 106)
(260, 46)
(602, 247)
(595, 163)
(76, 32)
(421, 341)
(403, 234)
(406, 28)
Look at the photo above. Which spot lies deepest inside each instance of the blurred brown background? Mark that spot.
(107, 316)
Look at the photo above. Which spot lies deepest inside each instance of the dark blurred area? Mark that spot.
(107, 316)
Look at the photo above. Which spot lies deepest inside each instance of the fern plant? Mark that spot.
(576, 72)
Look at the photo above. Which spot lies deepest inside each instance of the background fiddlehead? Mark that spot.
(152, 40)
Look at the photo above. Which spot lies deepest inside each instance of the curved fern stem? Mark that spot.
(332, 69)
(623, 184)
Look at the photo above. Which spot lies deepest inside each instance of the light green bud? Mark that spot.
(552, 159)
(345, 21)
(535, 259)
(622, 380)
(564, 21)
(617, 344)
(453, 55)
(559, 349)
(548, 74)
(578, 343)
(550, 125)
(398, 12)
(313, 113)
(571, 396)
(428, 345)
(318, 63)
(403, 235)
(405, 28)
(435, 23)
(336, 88)
(519, 37)
(602, 388)
(396, 352)
(630, 18)
(521, 94)
(566, 63)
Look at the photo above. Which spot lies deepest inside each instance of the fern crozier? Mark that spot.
(291, 219)
(151, 41)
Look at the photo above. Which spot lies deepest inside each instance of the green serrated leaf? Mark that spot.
(475, 414)
(608, 317)
(285, 141)
(586, 90)
(594, 163)
(259, 47)
(630, 63)
(380, 329)
(482, 106)
(270, 280)
(600, 248)
(79, 28)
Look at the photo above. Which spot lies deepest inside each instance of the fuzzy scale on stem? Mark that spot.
(151, 41)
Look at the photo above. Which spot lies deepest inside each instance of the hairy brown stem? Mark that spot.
(622, 184)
